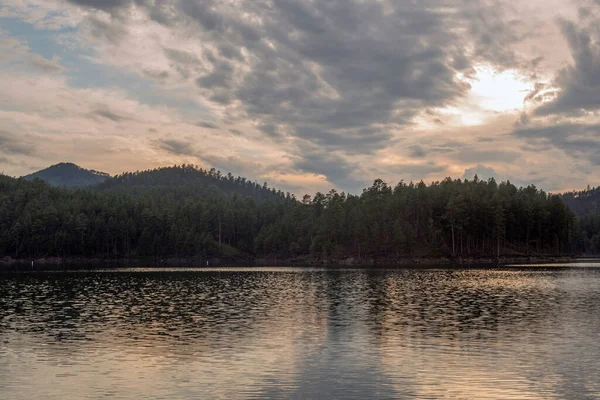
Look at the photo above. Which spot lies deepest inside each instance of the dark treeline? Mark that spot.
(586, 205)
(187, 212)
(188, 181)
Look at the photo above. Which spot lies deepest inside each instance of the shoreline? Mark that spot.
(284, 262)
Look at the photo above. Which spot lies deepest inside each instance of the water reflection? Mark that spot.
(303, 333)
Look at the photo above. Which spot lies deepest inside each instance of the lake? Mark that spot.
(507, 332)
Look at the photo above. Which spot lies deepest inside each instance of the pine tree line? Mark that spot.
(188, 212)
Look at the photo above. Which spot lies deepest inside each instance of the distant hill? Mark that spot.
(69, 175)
(179, 181)
(583, 202)
(188, 181)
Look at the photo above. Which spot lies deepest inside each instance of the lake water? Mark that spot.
(510, 333)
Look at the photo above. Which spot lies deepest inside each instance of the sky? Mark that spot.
(306, 95)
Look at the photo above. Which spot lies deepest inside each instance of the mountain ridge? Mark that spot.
(583, 202)
(181, 181)
(67, 174)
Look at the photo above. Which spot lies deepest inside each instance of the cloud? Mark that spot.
(470, 155)
(236, 165)
(417, 151)
(579, 83)
(326, 93)
(50, 15)
(334, 167)
(45, 65)
(181, 56)
(207, 125)
(225, 162)
(492, 30)
(483, 173)
(176, 146)
(111, 30)
(578, 140)
(574, 90)
(416, 171)
(104, 5)
(536, 93)
(110, 114)
(340, 75)
(18, 56)
(566, 116)
(10, 145)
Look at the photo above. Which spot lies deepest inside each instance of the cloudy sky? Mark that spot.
(307, 95)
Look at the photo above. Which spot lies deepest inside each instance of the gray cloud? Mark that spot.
(113, 6)
(334, 167)
(416, 171)
(236, 165)
(417, 151)
(111, 31)
(534, 94)
(16, 54)
(233, 164)
(10, 145)
(46, 66)
(104, 5)
(207, 125)
(185, 63)
(221, 77)
(557, 123)
(107, 113)
(579, 83)
(205, 14)
(20, 164)
(181, 57)
(470, 155)
(176, 146)
(492, 32)
(337, 75)
(483, 172)
(577, 140)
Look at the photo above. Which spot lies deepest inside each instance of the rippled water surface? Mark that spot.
(520, 332)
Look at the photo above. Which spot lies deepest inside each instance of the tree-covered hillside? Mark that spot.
(583, 202)
(188, 181)
(586, 205)
(69, 175)
(447, 218)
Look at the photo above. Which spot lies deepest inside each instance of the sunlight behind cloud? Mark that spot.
(492, 93)
(498, 91)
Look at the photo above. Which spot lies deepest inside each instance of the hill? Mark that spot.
(586, 205)
(583, 202)
(188, 181)
(69, 175)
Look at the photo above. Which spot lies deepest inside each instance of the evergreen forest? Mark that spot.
(191, 213)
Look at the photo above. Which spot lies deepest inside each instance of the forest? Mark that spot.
(586, 205)
(191, 213)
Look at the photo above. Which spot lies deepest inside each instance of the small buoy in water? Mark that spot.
(32, 264)
(207, 263)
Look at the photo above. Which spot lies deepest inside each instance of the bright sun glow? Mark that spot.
(491, 92)
(498, 91)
